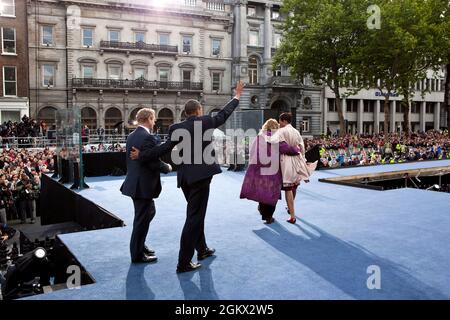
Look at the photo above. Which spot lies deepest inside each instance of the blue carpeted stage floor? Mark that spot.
(342, 231)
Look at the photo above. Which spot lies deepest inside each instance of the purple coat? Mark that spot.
(264, 188)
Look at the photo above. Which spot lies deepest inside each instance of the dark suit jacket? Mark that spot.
(143, 179)
(193, 172)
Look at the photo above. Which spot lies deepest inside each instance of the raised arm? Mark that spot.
(221, 117)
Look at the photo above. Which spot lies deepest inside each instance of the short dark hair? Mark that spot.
(191, 107)
(286, 116)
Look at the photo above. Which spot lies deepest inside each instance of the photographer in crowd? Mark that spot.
(20, 171)
(27, 190)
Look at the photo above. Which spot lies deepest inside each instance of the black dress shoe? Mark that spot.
(190, 267)
(205, 254)
(149, 252)
(146, 259)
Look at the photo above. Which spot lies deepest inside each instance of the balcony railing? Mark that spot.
(136, 84)
(284, 80)
(139, 46)
(215, 6)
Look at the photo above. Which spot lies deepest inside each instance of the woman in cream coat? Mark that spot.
(294, 169)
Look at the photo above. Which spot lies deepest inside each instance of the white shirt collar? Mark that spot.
(146, 129)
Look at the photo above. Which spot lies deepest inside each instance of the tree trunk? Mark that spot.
(446, 103)
(342, 128)
(406, 124)
(387, 115)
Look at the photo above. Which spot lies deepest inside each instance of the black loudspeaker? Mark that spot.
(76, 177)
(65, 171)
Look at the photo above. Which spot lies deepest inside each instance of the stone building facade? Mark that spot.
(257, 34)
(112, 58)
(364, 111)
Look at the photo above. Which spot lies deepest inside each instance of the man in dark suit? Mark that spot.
(194, 173)
(143, 184)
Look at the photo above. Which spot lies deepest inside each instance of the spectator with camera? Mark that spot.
(27, 190)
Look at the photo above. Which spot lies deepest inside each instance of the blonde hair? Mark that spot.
(145, 113)
(270, 125)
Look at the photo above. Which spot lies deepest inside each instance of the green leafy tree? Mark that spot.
(318, 42)
(394, 57)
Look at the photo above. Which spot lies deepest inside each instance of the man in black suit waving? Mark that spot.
(143, 184)
(194, 173)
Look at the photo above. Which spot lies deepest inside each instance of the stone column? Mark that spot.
(267, 64)
(126, 109)
(101, 114)
(422, 115)
(240, 41)
(360, 116)
(376, 117)
(393, 112)
(437, 115)
(325, 115)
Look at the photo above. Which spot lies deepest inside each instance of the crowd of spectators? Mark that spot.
(27, 127)
(20, 172)
(101, 147)
(358, 150)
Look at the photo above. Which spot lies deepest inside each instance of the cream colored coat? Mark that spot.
(294, 169)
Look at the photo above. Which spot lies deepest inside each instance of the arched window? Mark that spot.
(48, 116)
(89, 117)
(132, 120)
(112, 117)
(164, 120)
(253, 70)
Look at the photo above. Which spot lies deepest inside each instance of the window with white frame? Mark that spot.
(48, 75)
(277, 39)
(9, 81)
(305, 125)
(433, 84)
(114, 35)
(251, 11)
(332, 107)
(187, 75)
(163, 39)
(163, 74)
(8, 40)
(88, 37)
(216, 43)
(253, 37)
(216, 81)
(88, 72)
(114, 72)
(47, 35)
(187, 44)
(253, 70)
(139, 73)
(275, 14)
(139, 36)
(277, 72)
(7, 8)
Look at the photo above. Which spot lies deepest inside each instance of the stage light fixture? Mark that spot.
(40, 253)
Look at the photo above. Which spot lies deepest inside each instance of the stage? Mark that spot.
(341, 231)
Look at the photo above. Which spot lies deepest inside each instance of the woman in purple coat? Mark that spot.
(263, 180)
